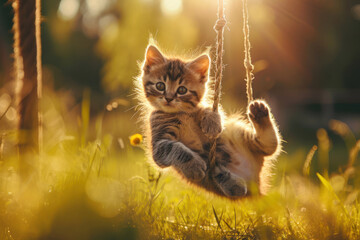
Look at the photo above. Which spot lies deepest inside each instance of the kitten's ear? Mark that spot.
(153, 56)
(200, 65)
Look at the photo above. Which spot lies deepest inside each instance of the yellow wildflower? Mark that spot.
(136, 139)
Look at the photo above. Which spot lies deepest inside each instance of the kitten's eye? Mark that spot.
(160, 86)
(181, 90)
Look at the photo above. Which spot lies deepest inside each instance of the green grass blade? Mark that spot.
(217, 218)
(327, 185)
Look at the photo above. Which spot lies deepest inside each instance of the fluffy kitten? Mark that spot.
(181, 125)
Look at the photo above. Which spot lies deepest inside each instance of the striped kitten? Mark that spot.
(181, 125)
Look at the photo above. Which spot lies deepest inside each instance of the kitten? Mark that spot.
(181, 124)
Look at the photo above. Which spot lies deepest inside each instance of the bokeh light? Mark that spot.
(5, 101)
(68, 9)
(95, 7)
(356, 11)
(171, 7)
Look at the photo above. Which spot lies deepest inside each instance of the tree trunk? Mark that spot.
(27, 51)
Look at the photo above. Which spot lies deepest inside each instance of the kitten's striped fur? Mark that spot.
(181, 124)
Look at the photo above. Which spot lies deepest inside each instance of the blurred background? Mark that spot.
(306, 56)
(94, 182)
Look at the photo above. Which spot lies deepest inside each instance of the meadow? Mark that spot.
(108, 189)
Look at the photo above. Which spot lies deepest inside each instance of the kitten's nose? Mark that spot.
(169, 99)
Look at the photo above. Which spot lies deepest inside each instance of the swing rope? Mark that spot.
(247, 60)
(219, 29)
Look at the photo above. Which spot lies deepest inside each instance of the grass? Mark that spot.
(97, 190)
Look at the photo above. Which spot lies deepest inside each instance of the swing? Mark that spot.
(219, 28)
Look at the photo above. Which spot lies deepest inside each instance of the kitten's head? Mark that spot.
(173, 85)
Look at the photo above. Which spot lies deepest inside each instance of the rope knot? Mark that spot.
(220, 24)
(248, 65)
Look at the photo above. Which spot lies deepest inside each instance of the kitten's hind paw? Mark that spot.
(235, 189)
(258, 111)
(194, 170)
(231, 185)
(211, 124)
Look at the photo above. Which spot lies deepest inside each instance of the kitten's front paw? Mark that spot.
(194, 170)
(211, 124)
(258, 111)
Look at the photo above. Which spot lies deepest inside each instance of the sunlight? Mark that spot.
(171, 7)
(118, 144)
(68, 9)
